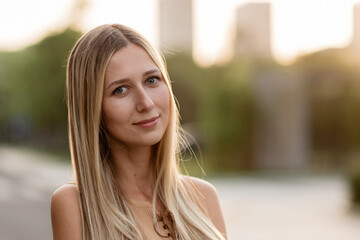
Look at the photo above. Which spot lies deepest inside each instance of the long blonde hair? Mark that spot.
(104, 210)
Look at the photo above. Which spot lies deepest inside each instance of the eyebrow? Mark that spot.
(155, 70)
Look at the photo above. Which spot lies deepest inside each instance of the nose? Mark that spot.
(144, 101)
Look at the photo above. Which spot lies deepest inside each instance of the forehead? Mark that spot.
(127, 62)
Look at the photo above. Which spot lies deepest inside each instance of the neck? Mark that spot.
(134, 170)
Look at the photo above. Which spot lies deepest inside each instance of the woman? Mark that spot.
(124, 142)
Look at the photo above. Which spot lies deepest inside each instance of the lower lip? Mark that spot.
(149, 124)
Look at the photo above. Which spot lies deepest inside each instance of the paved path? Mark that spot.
(266, 208)
(283, 208)
(27, 180)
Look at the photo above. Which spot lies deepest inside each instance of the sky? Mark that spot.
(298, 26)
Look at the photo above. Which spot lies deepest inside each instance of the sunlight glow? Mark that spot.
(298, 26)
(25, 22)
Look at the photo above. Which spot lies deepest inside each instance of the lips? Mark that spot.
(149, 120)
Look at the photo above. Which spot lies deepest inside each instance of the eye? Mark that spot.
(120, 90)
(152, 80)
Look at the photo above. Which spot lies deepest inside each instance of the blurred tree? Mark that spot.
(334, 89)
(228, 114)
(216, 107)
(34, 80)
(186, 79)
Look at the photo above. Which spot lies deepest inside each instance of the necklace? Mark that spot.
(168, 222)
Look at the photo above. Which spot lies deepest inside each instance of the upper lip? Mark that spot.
(146, 120)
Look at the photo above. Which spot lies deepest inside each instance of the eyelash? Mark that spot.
(153, 77)
(147, 81)
(115, 91)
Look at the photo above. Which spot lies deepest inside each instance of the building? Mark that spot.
(281, 137)
(253, 31)
(176, 26)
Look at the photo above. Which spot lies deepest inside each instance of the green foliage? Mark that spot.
(226, 115)
(186, 78)
(218, 101)
(34, 82)
(354, 179)
(334, 93)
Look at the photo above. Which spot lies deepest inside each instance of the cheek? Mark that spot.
(107, 114)
(112, 114)
(164, 99)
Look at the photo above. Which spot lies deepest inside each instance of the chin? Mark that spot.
(143, 140)
(150, 142)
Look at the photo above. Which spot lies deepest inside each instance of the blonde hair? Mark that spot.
(104, 210)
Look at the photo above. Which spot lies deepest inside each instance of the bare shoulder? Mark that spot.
(208, 195)
(65, 198)
(66, 191)
(65, 213)
(205, 188)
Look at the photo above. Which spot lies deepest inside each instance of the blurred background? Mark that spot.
(270, 91)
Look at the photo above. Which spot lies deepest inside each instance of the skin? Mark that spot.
(134, 90)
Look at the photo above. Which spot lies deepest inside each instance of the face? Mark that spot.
(136, 100)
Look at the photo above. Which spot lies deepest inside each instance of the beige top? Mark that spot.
(144, 216)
